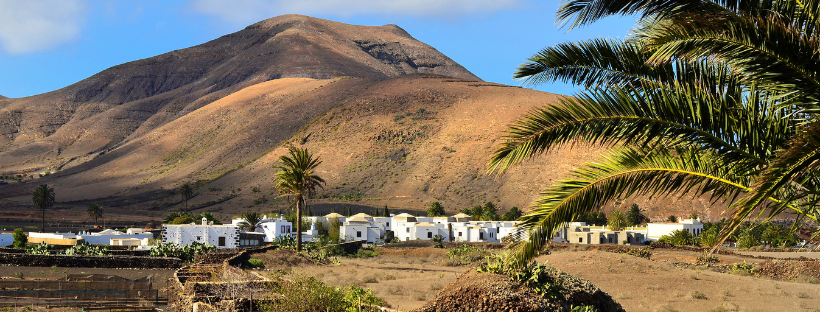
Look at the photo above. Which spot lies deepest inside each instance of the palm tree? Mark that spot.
(95, 211)
(706, 97)
(617, 221)
(43, 198)
(186, 191)
(296, 177)
(251, 221)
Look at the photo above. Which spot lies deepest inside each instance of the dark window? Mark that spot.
(580, 239)
(459, 234)
(408, 230)
(221, 241)
(358, 233)
(480, 235)
(610, 240)
(388, 223)
(198, 238)
(429, 234)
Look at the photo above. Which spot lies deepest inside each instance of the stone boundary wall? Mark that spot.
(113, 262)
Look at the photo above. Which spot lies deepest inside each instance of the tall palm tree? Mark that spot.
(43, 198)
(706, 97)
(617, 221)
(95, 211)
(297, 178)
(186, 191)
(251, 221)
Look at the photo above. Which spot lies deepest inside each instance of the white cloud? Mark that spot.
(27, 26)
(249, 11)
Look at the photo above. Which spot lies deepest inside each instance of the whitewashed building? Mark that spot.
(221, 236)
(654, 231)
(359, 228)
(104, 237)
(274, 228)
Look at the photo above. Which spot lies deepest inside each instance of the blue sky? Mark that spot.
(49, 44)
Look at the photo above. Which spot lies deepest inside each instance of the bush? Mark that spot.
(303, 293)
(678, 238)
(708, 258)
(466, 254)
(747, 241)
(640, 252)
(87, 249)
(40, 249)
(20, 238)
(185, 253)
(254, 263)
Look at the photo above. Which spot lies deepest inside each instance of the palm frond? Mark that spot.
(626, 172)
(671, 117)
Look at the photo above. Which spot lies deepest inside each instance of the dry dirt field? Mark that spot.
(407, 278)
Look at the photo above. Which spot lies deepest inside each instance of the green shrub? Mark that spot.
(20, 238)
(303, 293)
(640, 252)
(743, 268)
(466, 254)
(747, 240)
(256, 263)
(40, 249)
(185, 253)
(678, 238)
(87, 249)
(708, 258)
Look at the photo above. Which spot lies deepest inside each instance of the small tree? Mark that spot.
(617, 221)
(210, 217)
(186, 191)
(489, 212)
(251, 221)
(43, 198)
(20, 238)
(511, 215)
(95, 211)
(435, 210)
(386, 211)
(635, 215)
(672, 219)
(693, 216)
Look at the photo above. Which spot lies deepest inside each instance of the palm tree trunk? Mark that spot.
(298, 223)
(43, 229)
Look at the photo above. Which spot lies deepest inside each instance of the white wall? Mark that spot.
(105, 239)
(274, 229)
(184, 234)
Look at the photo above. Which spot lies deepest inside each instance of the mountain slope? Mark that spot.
(127, 101)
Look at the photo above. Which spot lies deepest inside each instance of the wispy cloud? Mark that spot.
(28, 26)
(249, 11)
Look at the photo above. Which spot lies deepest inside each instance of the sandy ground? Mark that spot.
(407, 278)
(784, 255)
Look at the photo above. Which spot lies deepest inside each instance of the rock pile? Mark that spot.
(474, 291)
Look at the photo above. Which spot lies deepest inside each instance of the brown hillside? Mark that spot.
(64, 127)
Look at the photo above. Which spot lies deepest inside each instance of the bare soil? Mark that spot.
(409, 277)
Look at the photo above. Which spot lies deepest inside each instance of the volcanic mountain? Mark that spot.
(395, 122)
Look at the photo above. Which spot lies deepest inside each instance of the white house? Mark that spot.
(221, 236)
(358, 228)
(654, 231)
(104, 237)
(274, 228)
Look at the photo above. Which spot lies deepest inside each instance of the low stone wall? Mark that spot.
(114, 262)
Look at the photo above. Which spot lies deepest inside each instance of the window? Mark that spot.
(283, 229)
(580, 239)
(198, 238)
(610, 240)
(459, 234)
(388, 223)
(358, 233)
(221, 241)
(408, 230)
(429, 234)
(481, 235)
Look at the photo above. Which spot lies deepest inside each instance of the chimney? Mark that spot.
(204, 221)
